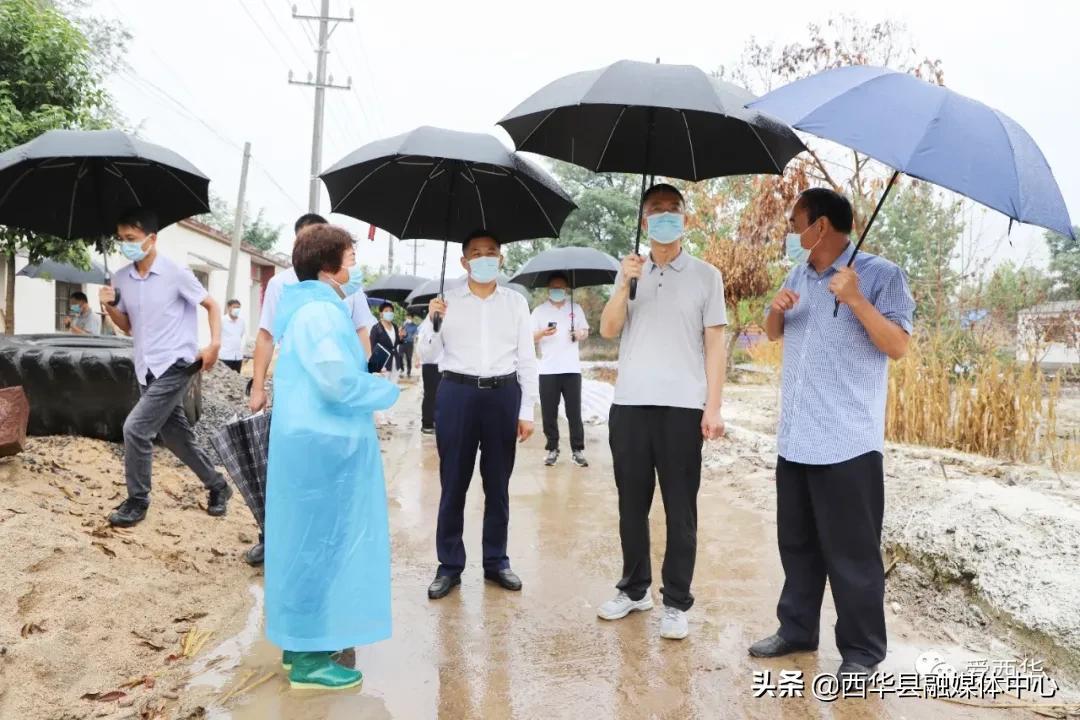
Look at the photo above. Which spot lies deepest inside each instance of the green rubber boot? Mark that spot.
(287, 659)
(317, 671)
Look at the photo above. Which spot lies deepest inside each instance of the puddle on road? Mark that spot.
(486, 653)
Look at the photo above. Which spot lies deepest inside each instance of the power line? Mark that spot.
(184, 111)
(281, 29)
(273, 47)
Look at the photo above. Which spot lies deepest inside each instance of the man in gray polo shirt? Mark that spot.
(667, 401)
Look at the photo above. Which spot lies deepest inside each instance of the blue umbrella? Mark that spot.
(928, 132)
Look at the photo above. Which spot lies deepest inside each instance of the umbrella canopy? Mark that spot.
(395, 288)
(443, 184)
(928, 132)
(75, 183)
(421, 296)
(64, 272)
(649, 118)
(583, 267)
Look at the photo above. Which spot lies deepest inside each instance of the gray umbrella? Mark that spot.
(582, 266)
(395, 288)
(653, 119)
(64, 272)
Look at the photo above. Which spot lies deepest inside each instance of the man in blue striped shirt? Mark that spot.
(830, 492)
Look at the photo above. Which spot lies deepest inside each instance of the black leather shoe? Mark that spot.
(441, 586)
(776, 646)
(505, 579)
(218, 502)
(254, 555)
(854, 670)
(128, 513)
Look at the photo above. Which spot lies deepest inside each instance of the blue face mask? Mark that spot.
(356, 281)
(484, 269)
(666, 227)
(75, 309)
(557, 294)
(794, 249)
(388, 315)
(133, 251)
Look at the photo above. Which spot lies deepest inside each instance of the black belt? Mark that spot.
(484, 383)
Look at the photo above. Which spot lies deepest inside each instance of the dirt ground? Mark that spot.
(486, 653)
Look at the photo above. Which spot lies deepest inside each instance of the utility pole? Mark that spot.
(321, 83)
(238, 226)
(414, 244)
(390, 254)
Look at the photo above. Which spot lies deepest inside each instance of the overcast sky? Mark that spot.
(206, 75)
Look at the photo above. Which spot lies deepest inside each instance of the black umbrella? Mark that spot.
(65, 272)
(634, 117)
(75, 183)
(583, 267)
(443, 184)
(395, 288)
(421, 296)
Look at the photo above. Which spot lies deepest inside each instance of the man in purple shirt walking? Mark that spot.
(155, 301)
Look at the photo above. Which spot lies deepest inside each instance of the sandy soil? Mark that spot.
(87, 610)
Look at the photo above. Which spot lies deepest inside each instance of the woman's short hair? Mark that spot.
(320, 248)
(386, 306)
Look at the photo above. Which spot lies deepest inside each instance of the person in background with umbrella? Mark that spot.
(486, 399)
(157, 302)
(830, 492)
(667, 401)
(408, 342)
(264, 341)
(233, 329)
(384, 341)
(560, 367)
(328, 549)
(83, 320)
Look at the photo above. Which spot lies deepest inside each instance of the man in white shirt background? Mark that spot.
(559, 326)
(485, 400)
(429, 373)
(233, 329)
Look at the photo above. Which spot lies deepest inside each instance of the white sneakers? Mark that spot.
(673, 625)
(622, 605)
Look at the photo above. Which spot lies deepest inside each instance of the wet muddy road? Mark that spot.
(486, 653)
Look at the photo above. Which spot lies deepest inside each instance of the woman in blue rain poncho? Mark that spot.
(327, 538)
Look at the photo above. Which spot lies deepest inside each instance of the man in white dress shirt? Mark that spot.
(485, 400)
(559, 326)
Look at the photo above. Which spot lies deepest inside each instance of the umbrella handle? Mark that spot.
(108, 279)
(436, 321)
(866, 230)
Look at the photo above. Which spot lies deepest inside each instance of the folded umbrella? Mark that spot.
(928, 132)
(244, 446)
(395, 288)
(583, 267)
(442, 184)
(653, 119)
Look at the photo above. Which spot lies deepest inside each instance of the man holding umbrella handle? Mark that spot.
(667, 402)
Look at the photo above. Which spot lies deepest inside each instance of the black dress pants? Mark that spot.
(650, 443)
(565, 386)
(828, 522)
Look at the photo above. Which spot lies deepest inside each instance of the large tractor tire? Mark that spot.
(78, 385)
